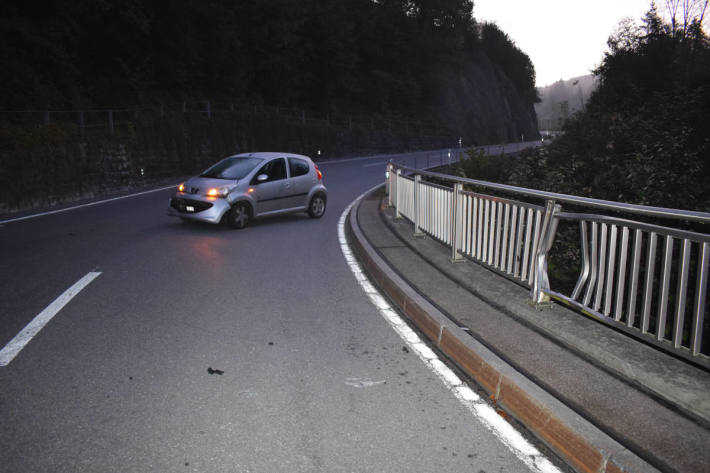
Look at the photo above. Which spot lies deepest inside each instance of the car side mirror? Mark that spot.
(262, 178)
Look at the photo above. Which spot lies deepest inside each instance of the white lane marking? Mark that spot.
(480, 409)
(11, 350)
(26, 217)
(374, 164)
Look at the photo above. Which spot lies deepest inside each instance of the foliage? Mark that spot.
(644, 137)
(517, 65)
(485, 167)
(360, 55)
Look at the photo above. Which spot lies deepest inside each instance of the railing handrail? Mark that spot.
(649, 211)
(648, 280)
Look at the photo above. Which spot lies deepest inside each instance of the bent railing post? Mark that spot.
(541, 281)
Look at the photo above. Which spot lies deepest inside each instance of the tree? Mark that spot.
(684, 13)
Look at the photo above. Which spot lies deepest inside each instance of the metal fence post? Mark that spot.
(417, 205)
(456, 224)
(541, 282)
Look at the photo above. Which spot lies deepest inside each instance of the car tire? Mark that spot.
(239, 215)
(316, 208)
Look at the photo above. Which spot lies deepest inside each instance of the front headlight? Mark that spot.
(181, 187)
(218, 191)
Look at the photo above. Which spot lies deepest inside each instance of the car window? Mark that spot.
(232, 168)
(298, 167)
(275, 169)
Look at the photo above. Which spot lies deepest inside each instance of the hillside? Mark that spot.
(416, 59)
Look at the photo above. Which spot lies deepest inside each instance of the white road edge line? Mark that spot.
(50, 212)
(11, 350)
(480, 409)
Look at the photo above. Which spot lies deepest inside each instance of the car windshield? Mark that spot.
(232, 168)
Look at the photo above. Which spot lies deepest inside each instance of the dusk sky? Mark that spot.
(563, 38)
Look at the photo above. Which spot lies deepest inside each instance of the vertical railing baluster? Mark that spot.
(610, 270)
(511, 238)
(486, 216)
(450, 237)
(491, 233)
(633, 288)
(417, 205)
(681, 294)
(665, 286)
(696, 338)
(390, 177)
(594, 262)
(398, 192)
(623, 256)
(499, 229)
(504, 237)
(648, 289)
(437, 213)
(477, 228)
(537, 230)
(519, 241)
(602, 266)
(526, 250)
(455, 228)
(464, 223)
(584, 250)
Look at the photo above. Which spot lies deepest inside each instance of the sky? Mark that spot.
(563, 38)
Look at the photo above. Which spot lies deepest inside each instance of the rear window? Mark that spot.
(232, 168)
(299, 167)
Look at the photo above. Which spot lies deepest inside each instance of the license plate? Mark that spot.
(189, 208)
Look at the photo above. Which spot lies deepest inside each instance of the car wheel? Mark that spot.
(316, 208)
(238, 216)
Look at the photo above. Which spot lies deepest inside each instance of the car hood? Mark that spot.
(204, 183)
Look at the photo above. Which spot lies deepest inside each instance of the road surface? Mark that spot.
(194, 347)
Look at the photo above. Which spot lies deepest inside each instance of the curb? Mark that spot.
(579, 443)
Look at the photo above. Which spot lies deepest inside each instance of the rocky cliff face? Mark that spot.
(482, 105)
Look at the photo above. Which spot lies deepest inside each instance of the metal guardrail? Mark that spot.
(657, 293)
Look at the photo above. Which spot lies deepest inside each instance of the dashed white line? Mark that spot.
(481, 410)
(11, 350)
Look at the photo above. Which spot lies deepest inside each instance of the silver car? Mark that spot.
(251, 185)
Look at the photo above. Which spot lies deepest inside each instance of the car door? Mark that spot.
(302, 179)
(272, 193)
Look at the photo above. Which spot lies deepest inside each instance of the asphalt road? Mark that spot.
(314, 379)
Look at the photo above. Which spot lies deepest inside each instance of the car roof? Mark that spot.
(270, 154)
